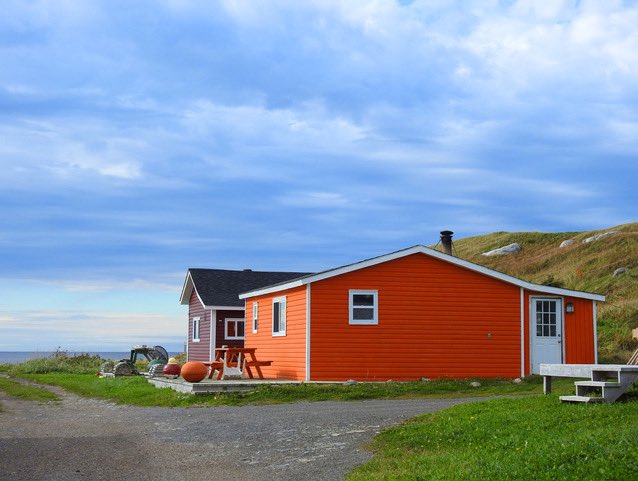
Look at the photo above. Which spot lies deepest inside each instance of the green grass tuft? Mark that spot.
(59, 361)
(510, 439)
(29, 393)
(137, 391)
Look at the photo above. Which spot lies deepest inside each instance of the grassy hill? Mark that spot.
(587, 267)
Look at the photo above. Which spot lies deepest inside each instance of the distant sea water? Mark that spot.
(15, 357)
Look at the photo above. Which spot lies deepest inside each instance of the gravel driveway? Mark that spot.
(88, 439)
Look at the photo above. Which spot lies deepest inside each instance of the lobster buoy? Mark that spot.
(194, 371)
(172, 369)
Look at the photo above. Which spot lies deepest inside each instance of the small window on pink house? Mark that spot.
(195, 329)
(235, 328)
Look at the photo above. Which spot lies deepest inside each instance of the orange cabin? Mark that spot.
(417, 313)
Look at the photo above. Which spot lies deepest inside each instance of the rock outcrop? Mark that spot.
(599, 236)
(503, 251)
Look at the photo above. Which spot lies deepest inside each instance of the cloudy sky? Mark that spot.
(138, 139)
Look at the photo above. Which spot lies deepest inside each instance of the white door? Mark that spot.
(547, 332)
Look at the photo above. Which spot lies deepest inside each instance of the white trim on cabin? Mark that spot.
(236, 321)
(255, 317)
(308, 332)
(374, 320)
(196, 321)
(420, 249)
(522, 332)
(187, 281)
(213, 334)
(281, 331)
(532, 327)
(227, 308)
(595, 320)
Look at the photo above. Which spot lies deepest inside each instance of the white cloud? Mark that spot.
(314, 199)
(87, 330)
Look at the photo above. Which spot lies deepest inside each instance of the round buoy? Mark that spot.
(172, 370)
(193, 371)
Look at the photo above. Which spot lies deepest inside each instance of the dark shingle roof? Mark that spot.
(220, 287)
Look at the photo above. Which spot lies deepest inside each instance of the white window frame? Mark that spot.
(281, 301)
(196, 329)
(235, 320)
(255, 317)
(363, 322)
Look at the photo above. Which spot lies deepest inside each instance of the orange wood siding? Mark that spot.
(436, 320)
(198, 351)
(288, 352)
(579, 332)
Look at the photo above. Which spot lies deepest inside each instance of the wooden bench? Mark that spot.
(215, 366)
(257, 365)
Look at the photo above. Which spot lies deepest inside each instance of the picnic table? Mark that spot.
(230, 363)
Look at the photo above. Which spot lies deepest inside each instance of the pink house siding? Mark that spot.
(198, 351)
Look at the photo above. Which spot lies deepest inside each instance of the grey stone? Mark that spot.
(620, 271)
(475, 384)
(518, 380)
(567, 243)
(505, 250)
(425, 379)
(599, 236)
(350, 382)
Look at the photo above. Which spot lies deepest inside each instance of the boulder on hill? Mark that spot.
(599, 236)
(567, 243)
(503, 251)
(619, 272)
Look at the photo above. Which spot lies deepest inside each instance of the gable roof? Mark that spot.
(218, 288)
(419, 249)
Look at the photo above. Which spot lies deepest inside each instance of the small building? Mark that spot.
(416, 313)
(213, 295)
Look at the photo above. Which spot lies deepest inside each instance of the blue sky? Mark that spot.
(138, 139)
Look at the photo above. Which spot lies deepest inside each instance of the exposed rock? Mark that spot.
(567, 243)
(350, 382)
(599, 236)
(503, 251)
(518, 380)
(475, 384)
(620, 271)
(425, 379)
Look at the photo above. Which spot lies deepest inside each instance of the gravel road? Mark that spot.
(88, 439)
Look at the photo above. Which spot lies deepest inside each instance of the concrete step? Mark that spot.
(581, 399)
(607, 384)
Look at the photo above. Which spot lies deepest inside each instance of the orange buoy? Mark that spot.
(194, 371)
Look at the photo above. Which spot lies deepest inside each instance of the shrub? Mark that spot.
(59, 361)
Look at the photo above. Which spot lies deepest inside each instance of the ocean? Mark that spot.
(15, 357)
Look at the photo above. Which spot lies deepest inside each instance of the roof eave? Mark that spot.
(187, 289)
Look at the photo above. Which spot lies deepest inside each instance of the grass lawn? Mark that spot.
(137, 391)
(31, 393)
(528, 438)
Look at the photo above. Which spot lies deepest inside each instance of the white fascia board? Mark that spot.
(187, 289)
(420, 249)
(276, 288)
(226, 308)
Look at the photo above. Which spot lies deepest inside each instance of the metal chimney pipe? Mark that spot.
(446, 241)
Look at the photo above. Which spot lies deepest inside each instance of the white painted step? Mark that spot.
(598, 383)
(581, 399)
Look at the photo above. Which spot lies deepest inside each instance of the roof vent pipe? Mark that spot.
(446, 241)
